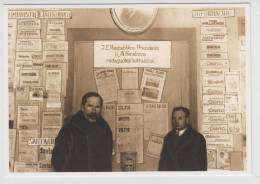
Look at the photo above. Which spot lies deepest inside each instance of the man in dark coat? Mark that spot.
(184, 149)
(84, 143)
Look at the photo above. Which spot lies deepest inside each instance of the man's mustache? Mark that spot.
(92, 115)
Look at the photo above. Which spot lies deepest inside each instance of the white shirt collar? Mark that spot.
(182, 131)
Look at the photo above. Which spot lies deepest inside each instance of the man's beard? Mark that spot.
(92, 116)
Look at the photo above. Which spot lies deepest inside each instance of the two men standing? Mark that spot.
(85, 143)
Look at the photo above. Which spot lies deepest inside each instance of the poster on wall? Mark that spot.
(152, 84)
(107, 83)
(130, 135)
(156, 119)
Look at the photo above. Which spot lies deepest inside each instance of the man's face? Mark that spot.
(179, 120)
(92, 108)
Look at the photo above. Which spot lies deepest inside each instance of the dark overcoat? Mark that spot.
(80, 147)
(184, 153)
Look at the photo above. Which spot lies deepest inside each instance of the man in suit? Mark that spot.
(184, 149)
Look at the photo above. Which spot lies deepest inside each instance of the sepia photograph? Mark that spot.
(129, 88)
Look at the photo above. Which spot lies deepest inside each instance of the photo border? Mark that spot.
(253, 90)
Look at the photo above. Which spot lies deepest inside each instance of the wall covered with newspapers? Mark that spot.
(37, 73)
(222, 89)
(38, 81)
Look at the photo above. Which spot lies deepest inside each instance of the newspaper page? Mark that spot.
(212, 158)
(30, 24)
(152, 84)
(55, 27)
(107, 84)
(219, 140)
(22, 93)
(155, 119)
(213, 77)
(29, 44)
(129, 96)
(53, 81)
(129, 78)
(30, 77)
(28, 116)
(232, 80)
(223, 158)
(130, 135)
(155, 144)
(26, 152)
(232, 103)
(130, 109)
(57, 67)
(109, 114)
(36, 93)
(25, 167)
(234, 123)
(51, 124)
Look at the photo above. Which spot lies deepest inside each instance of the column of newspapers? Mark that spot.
(222, 87)
(37, 73)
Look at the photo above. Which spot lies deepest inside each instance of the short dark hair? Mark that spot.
(183, 109)
(91, 94)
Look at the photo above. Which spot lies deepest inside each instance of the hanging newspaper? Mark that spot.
(29, 45)
(213, 38)
(27, 153)
(214, 128)
(27, 34)
(152, 84)
(212, 158)
(36, 93)
(213, 22)
(232, 80)
(155, 144)
(45, 153)
(209, 63)
(107, 84)
(25, 167)
(219, 140)
(30, 77)
(59, 70)
(55, 56)
(109, 114)
(214, 119)
(28, 116)
(234, 123)
(53, 81)
(130, 135)
(22, 93)
(213, 90)
(130, 78)
(45, 166)
(29, 24)
(155, 119)
(55, 27)
(51, 124)
(60, 45)
(129, 96)
(223, 158)
(232, 104)
(130, 109)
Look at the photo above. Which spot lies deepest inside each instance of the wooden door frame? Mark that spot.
(157, 34)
